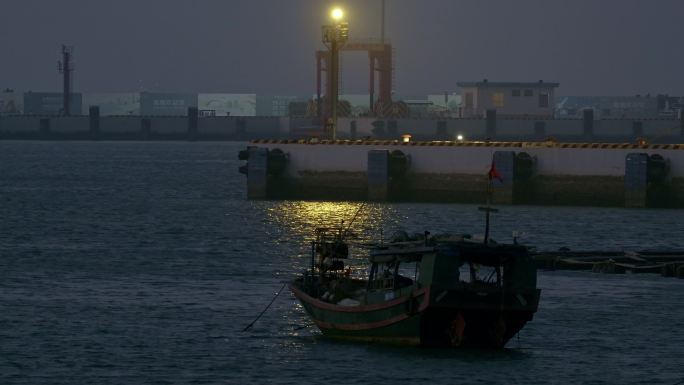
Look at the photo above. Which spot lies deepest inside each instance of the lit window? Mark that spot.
(498, 99)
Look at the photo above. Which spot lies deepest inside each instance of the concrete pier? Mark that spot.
(257, 173)
(193, 119)
(666, 263)
(378, 175)
(588, 124)
(545, 173)
(492, 127)
(94, 122)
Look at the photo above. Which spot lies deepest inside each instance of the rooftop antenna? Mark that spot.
(66, 68)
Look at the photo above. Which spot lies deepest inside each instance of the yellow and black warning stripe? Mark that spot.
(438, 143)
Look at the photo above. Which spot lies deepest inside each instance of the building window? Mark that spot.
(529, 93)
(543, 100)
(498, 99)
(516, 92)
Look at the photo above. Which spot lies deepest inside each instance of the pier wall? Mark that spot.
(464, 159)
(565, 174)
(119, 125)
(657, 130)
(142, 127)
(257, 127)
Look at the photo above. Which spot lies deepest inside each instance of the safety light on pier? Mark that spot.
(459, 137)
(337, 14)
(406, 138)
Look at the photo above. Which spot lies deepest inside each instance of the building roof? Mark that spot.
(486, 83)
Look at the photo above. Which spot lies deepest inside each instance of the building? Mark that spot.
(419, 108)
(269, 105)
(509, 99)
(608, 107)
(166, 104)
(51, 103)
(227, 104)
(11, 103)
(670, 106)
(113, 103)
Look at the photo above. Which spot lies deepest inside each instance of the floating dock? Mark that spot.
(665, 263)
(537, 173)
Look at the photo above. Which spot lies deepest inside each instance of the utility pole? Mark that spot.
(66, 68)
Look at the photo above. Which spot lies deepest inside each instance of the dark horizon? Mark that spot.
(615, 47)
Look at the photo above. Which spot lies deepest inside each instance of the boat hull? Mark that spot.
(426, 317)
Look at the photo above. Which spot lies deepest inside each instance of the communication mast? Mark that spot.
(66, 67)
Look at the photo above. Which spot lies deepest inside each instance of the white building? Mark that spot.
(516, 99)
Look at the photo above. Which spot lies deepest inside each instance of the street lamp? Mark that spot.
(334, 37)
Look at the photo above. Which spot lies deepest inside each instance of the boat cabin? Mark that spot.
(450, 264)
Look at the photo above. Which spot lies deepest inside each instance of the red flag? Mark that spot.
(494, 173)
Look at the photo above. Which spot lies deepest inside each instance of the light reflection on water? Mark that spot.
(361, 222)
(302, 218)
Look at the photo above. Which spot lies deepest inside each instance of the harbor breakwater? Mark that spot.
(542, 173)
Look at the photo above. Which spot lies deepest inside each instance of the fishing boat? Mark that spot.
(423, 290)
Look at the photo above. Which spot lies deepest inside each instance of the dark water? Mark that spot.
(130, 263)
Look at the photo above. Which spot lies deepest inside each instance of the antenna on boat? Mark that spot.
(493, 173)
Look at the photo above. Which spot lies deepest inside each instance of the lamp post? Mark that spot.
(334, 37)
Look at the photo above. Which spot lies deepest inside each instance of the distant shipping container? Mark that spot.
(11, 103)
(227, 104)
(51, 103)
(114, 103)
(166, 104)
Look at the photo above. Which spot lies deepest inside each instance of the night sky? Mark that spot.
(592, 47)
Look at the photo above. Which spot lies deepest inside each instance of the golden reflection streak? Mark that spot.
(300, 219)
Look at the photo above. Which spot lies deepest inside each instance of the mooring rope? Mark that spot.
(264, 311)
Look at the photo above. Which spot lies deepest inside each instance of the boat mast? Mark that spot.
(488, 208)
(313, 264)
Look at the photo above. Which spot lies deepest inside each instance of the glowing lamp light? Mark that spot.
(406, 138)
(459, 137)
(337, 14)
